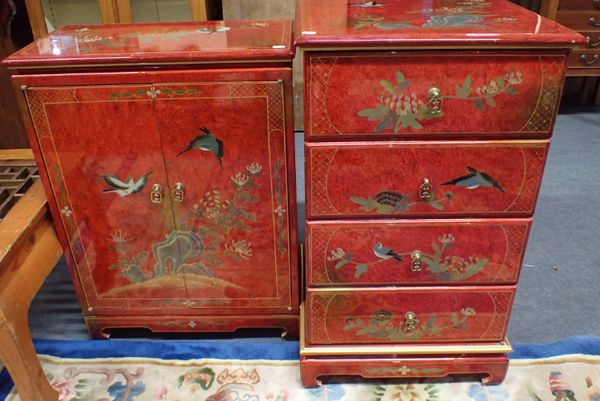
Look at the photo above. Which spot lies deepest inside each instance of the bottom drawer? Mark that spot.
(403, 315)
(588, 58)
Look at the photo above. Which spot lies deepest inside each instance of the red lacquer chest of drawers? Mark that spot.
(167, 155)
(427, 128)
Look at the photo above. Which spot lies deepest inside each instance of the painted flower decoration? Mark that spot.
(382, 316)
(66, 388)
(336, 254)
(240, 179)
(66, 211)
(468, 311)
(254, 168)
(242, 248)
(279, 210)
(153, 93)
(446, 239)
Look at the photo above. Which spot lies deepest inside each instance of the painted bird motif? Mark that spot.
(385, 253)
(475, 179)
(206, 142)
(127, 187)
(366, 4)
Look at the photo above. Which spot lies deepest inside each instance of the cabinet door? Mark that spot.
(225, 151)
(103, 155)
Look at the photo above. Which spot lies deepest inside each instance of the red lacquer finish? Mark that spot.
(436, 252)
(439, 23)
(490, 368)
(100, 327)
(427, 128)
(147, 44)
(172, 189)
(376, 179)
(386, 94)
(407, 315)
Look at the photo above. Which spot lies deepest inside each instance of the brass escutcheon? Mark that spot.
(157, 194)
(416, 265)
(425, 189)
(178, 192)
(411, 322)
(435, 101)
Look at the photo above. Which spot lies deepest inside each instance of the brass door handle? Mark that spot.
(435, 101)
(411, 321)
(178, 192)
(591, 44)
(594, 23)
(425, 189)
(156, 195)
(584, 59)
(416, 263)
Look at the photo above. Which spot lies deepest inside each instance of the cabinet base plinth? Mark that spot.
(491, 368)
(100, 327)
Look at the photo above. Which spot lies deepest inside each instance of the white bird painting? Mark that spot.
(127, 187)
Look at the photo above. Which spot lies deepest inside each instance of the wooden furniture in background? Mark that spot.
(170, 175)
(29, 250)
(47, 15)
(425, 147)
(584, 17)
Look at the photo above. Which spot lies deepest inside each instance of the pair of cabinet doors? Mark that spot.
(173, 188)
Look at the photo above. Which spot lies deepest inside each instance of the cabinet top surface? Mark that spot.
(153, 43)
(425, 23)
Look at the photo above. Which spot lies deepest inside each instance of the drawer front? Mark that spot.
(589, 58)
(388, 94)
(580, 21)
(443, 178)
(579, 5)
(593, 39)
(427, 315)
(388, 252)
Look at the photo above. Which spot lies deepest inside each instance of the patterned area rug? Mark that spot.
(567, 377)
(268, 370)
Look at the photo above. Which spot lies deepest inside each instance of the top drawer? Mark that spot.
(367, 95)
(579, 5)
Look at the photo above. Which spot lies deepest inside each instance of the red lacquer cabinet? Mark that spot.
(167, 155)
(427, 126)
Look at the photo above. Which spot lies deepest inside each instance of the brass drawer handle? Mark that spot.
(435, 101)
(591, 44)
(416, 263)
(594, 23)
(584, 59)
(410, 322)
(156, 195)
(425, 189)
(178, 192)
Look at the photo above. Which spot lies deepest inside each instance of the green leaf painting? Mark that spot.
(385, 325)
(439, 265)
(397, 108)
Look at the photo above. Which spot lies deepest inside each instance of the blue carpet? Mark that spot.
(273, 349)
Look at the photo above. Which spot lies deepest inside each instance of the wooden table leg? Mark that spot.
(29, 250)
(18, 354)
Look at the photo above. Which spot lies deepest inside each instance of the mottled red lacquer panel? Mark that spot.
(408, 315)
(439, 252)
(108, 234)
(206, 41)
(350, 23)
(235, 199)
(492, 368)
(385, 178)
(224, 244)
(387, 94)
